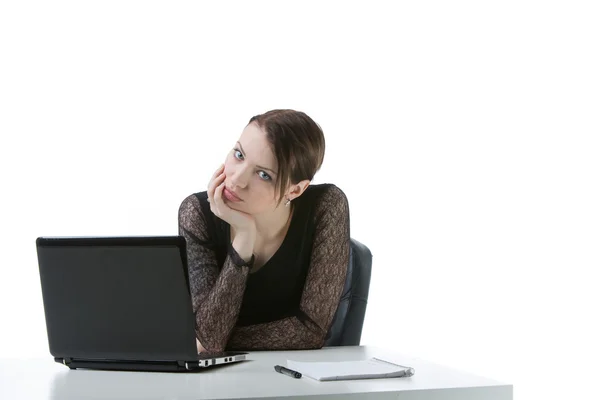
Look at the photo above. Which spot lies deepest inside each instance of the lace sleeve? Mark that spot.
(216, 290)
(322, 290)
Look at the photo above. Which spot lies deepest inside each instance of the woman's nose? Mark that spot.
(238, 178)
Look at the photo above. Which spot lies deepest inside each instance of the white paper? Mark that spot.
(342, 370)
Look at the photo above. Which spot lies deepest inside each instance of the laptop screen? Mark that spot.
(117, 298)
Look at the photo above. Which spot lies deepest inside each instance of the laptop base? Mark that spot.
(153, 366)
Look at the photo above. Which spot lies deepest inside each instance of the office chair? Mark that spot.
(346, 328)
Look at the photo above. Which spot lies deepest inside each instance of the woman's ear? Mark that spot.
(297, 189)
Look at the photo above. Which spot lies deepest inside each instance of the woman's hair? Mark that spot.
(297, 143)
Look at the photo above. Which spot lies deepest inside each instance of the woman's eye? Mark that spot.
(264, 176)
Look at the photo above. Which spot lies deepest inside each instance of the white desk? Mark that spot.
(45, 379)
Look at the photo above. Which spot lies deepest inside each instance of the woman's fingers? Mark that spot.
(218, 195)
(212, 184)
(220, 180)
(218, 171)
(212, 178)
(217, 205)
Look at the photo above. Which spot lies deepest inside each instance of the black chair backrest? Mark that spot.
(346, 328)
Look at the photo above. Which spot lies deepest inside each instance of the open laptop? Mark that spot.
(121, 303)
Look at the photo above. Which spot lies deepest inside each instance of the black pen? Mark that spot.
(288, 372)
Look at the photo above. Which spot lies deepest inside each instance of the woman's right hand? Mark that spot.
(242, 222)
(199, 347)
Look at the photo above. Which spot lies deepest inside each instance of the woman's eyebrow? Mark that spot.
(244, 153)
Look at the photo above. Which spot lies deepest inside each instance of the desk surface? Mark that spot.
(45, 379)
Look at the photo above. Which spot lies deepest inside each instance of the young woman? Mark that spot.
(267, 251)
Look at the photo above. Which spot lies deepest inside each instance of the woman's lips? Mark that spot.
(230, 196)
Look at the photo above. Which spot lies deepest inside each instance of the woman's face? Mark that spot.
(251, 172)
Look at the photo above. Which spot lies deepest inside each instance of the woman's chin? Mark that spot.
(232, 204)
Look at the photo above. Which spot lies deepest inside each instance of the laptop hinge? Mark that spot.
(191, 365)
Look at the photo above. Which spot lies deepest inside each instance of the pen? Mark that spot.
(288, 372)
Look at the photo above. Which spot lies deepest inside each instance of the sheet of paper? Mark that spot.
(338, 370)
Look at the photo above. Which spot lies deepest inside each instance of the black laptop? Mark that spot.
(121, 303)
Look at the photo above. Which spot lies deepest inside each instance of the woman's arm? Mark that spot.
(216, 292)
(322, 290)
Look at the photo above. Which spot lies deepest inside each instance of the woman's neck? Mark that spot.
(272, 225)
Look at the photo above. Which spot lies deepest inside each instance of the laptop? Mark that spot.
(121, 303)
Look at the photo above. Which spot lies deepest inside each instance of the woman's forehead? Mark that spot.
(253, 143)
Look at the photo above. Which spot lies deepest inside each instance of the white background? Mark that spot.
(464, 133)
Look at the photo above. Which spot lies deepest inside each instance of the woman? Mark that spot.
(267, 251)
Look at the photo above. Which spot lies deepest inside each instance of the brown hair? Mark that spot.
(297, 143)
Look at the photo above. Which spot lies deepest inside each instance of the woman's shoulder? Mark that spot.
(194, 205)
(325, 191)
(325, 195)
(195, 199)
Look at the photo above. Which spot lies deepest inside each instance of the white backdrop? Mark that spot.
(465, 135)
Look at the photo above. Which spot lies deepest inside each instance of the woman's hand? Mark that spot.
(240, 221)
(199, 346)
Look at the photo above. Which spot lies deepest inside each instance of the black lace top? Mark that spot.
(288, 303)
